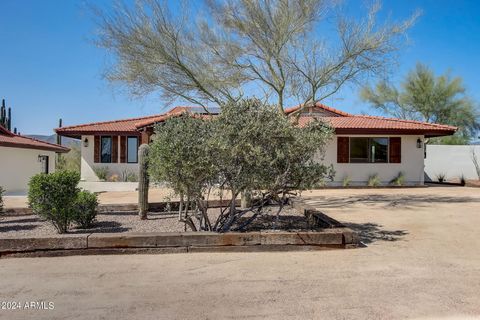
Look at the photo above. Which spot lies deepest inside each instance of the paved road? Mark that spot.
(422, 262)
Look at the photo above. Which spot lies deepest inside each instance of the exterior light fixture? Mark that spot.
(85, 143)
(419, 143)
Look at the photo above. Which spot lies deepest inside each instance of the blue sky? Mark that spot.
(50, 69)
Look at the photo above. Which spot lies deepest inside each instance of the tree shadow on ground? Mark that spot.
(387, 200)
(26, 220)
(118, 213)
(14, 227)
(102, 227)
(371, 232)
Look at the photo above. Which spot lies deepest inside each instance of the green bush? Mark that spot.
(129, 176)
(1, 199)
(53, 197)
(399, 180)
(101, 173)
(346, 181)
(85, 209)
(373, 180)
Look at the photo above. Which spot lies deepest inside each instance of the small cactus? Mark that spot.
(143, 181)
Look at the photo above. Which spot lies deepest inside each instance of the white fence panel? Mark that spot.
(453, 161)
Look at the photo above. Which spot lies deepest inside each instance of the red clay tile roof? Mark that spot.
(124, 126)
(381, 125)
(342, 122)
(328, 110)
(9, 139)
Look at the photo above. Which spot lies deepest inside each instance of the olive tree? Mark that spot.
(249, 147)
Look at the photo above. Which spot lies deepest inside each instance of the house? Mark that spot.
(22, 157)
(362, 146)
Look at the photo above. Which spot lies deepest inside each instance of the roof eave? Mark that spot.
(25, 146)
(425, 132)
(78, 134)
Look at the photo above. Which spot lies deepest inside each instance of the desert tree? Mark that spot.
(250, 147)
(156, 49)
(276, 47)
(423, 96)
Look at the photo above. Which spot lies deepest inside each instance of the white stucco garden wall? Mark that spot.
(453, 161)
(412, 163)
(18, 165)
(87, 163)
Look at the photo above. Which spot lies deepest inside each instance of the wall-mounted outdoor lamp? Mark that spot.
(419, 143)
(85, 143)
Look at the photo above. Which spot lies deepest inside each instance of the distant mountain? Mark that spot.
(53, 139)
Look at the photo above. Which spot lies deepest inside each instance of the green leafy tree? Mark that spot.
(71, 160)
(249, 147)
(425, 97)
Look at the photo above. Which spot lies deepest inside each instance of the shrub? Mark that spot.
(129, 176)
(441, 177)
(373, 180)
(101, 173)
(1, 199)
(399, 180)
(85, 210)
(346, 181)
(114, 178)
(53, 197)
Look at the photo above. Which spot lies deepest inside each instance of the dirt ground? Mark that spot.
(422, 261)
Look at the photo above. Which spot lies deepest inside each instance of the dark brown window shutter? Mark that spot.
(96, 149)
(395, 150)
(343, 147)
(123, 149)
(114, 149)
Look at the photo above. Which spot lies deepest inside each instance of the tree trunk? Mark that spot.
(143, 181)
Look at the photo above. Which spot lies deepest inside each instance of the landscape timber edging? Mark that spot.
(169, 242)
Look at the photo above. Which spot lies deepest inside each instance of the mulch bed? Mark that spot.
(31, 226)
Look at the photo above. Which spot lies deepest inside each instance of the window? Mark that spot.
(132, 149)
(106, 150)
(368, 150)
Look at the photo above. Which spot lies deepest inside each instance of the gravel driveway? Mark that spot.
(422, 262)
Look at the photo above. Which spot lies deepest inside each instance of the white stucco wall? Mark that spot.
(18, 165)
(87, 163)
(453, 161)
(412, 164)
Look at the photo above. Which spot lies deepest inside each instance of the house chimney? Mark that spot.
(15, 130)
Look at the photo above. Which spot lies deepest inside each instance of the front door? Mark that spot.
(44, 162)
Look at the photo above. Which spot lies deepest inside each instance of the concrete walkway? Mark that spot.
(422, 262)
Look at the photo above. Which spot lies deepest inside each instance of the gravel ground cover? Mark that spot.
(27, 226)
